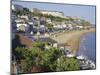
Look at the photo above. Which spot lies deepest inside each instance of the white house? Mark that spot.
(30, 23)
(70, 26)
(57, 26)
(48, 21)
(12, 7)
(24, 17)
(53, 13)
(42, 26)
(46, 35)
(64, 26)
(21, 26)
(19, 20)
(79, 27)
(60, 26)
(16, 7)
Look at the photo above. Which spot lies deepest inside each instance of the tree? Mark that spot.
(49, 57)
(50, 26)
(52, 59)
(18, 12)
(26, 9)
(39, 44)
(67, 64)
(21, 52)
(85, 23)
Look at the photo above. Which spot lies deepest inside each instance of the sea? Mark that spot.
(88, 46)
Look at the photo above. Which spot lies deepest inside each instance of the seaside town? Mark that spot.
(47, 41)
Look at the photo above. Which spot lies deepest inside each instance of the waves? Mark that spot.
(88, 46)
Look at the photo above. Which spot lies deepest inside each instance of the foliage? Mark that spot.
(53, 18)
(39, 45)
(50, 56)
(53, 58)
(67, 64)
(50, 26)
(24, 11)
(21, 52)
(23, 66)
(85, 23)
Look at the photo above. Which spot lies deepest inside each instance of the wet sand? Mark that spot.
(72, 38)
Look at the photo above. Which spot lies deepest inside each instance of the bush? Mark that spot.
(67, 64)
(52, 59)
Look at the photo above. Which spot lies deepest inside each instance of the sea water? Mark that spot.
(88, 46)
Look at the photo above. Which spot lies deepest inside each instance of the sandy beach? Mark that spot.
(72, 38)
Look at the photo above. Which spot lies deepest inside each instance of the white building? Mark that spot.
(60, 26)
(12, 7)
(19, 20)
(64, 26)
(49, 21)
(79, 27)
(35, 10)
(21, 26)
(24, 17)
(17, 7)
(57, 26)
(70, 26)
(53, 13)
(30, 23)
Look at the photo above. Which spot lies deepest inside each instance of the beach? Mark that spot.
(72, 38)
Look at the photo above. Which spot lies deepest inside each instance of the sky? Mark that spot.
(86, 12)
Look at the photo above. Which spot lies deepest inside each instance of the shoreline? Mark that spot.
(72, 38)
(74, 42)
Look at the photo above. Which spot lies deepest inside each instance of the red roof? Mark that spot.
(25, 41)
